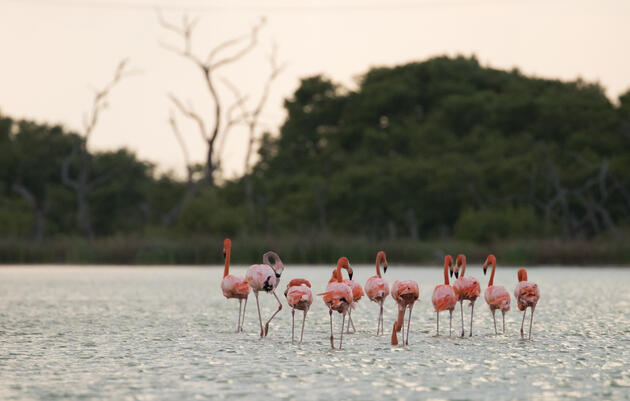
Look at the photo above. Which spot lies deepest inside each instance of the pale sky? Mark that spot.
(54, 52)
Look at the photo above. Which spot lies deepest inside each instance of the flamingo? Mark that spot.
(466, 289)
(378, 289)
(299, 296)
(527, 295)
(495, 295)
(405, 293)
(338, 297)
(265, 277)
(444, 297)
(357, 294)
(232, 286)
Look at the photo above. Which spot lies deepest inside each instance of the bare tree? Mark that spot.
(224, 54)
(82, 183)
(251, 118)
(193, 183)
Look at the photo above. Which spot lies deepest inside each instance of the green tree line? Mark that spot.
(433, 150)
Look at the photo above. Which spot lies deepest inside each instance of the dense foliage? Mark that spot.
(439, 149)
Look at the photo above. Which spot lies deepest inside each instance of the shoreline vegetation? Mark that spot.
(438, 156)
(135, 250)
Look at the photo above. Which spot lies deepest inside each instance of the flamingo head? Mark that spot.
(490, 260)
(277, 265)
(382, 258)
(461, 263)
(227, 244)
(344, 263)
(448, 261)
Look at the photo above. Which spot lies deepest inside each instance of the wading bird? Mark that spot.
(265, 277)
(232, 286)
(444, 297)
(527, 295)
(466, 289)
(338, 297)
(378, 289)
(405, 293)
(299, 296)
(496, 296)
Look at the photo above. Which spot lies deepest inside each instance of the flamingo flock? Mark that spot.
(341, 294)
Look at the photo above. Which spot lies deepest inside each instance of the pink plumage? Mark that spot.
(527, 295)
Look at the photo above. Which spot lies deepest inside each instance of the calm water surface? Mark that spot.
(168, 333)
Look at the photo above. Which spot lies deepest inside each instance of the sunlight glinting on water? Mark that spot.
(168, 333)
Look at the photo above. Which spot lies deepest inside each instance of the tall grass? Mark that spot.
(315, 249)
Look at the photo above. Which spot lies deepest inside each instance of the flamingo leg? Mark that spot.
(523, 322)
(274, 315)
(409, 324)
(303, 320)
(503, 313)
(354, 330)
(461, 308)
(349, 321)
(472, 312)
(259, 316)
(495, 322)
(238, 323)
(244, 308)
(292, 323)
(380, 319)
(450, 322)
(402, 324)
(438, 322)
(531, 322)
(332, 345)
(343, 321)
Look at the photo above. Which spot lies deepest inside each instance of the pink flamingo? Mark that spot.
(378, 289)
(232, 286)
(444, 297)
(338, 297)
(466, 289)
(405, 293)
(495, 295)
(527, 295)
(299, 296)
(266, 277)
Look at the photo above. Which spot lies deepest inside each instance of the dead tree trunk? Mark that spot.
(223, 54)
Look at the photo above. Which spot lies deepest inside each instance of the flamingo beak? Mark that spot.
(350, 275)
(484, 270)
(451, 272)
(224, 253)
(456, 274)
(385, 269)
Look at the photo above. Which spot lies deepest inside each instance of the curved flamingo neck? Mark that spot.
(379, 259)
(226, 270)
(522, 275)
(494, 267)
(338, 271)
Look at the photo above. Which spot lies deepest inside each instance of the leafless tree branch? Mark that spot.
(208, 67)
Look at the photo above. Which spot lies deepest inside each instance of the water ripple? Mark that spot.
(167, 333)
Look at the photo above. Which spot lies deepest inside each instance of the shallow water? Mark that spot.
(168, 333)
